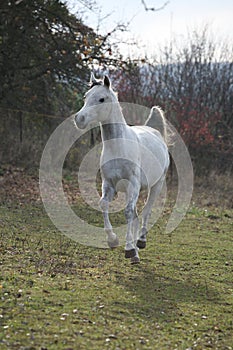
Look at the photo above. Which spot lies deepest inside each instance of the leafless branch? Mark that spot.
(90, 4)
(153, 8)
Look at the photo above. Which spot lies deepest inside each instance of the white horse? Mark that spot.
(133, 158)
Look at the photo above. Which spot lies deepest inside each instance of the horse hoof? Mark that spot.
(130, 253)
(141, 244)
(135, 260)
(113, 244)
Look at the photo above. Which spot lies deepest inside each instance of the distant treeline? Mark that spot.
(47, 53)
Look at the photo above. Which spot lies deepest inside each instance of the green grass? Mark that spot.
(58, 294)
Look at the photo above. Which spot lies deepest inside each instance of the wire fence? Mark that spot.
(23, 136)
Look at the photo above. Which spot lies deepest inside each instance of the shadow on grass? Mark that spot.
(160, 297)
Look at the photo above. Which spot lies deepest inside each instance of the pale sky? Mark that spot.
(156, 28)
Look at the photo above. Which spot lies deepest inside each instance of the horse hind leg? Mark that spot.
(154, 192)
(135, 259)
(141, 242)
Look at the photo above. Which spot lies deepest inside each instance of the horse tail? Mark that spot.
(157, 121)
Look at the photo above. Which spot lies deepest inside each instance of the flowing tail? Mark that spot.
(157, 121)
(181, 158)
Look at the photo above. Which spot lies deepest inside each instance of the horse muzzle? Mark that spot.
(80, 121)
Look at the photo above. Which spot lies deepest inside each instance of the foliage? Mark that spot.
(197, 127)
(193, 83)
(45, 51)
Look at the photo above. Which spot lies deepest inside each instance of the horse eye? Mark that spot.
(101, 100)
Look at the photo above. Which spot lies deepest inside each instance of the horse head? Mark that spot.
(97, 102)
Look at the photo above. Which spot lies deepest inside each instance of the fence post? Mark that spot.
(20, 126)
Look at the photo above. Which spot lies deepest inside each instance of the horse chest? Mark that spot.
(117, 169)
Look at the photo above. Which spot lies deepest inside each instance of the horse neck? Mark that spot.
(115, 125)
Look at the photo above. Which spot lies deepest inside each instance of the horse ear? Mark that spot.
(93, 80)
(107, 81)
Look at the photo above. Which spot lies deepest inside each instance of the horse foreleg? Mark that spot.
(107, 196)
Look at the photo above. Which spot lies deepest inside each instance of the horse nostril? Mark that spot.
(81, 118)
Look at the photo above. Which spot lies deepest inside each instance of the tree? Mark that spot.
(44, 50)
(192, 81)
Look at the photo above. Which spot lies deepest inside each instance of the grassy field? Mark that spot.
(57, 294)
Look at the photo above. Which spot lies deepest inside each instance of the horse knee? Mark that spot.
(103, 203)
(129, 212)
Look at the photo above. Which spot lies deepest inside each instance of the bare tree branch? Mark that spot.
(153, 8)
(90, 4)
